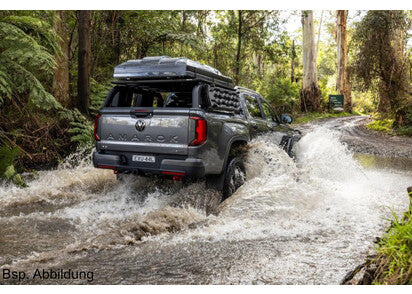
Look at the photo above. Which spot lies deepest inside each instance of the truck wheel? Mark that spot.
(234, 178)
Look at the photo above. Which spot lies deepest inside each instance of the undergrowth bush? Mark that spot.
(382, 125)
(395, 253)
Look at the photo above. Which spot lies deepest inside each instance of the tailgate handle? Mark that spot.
(140, 113)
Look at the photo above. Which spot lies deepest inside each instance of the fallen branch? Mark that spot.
(14, 144)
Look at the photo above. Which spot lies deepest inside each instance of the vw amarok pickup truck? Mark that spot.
(177, 118)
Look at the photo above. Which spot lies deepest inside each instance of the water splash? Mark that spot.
(321, 207)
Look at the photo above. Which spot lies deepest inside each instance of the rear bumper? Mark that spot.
(190, 167)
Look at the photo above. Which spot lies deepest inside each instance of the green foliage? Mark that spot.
(122, 35)
(310, 116)
(382, 125)
(281, 92)
(405, 131)
(98, 93)
(31, 117)
(262, 44)
(387, 124)
(8, 156)
(364, 102)
(40, 30)
(81, 130)
(327, 70)
(395, 253)
(379, 63)
(24, 62)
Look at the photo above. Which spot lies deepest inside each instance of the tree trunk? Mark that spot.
(239, 47)
(319, 31)
(60, 87)
(293, 64)
(183, 29)
(117, 22)
(83, 78)
(310, 94)
(342, 82)
(394, 84)
(257, 59)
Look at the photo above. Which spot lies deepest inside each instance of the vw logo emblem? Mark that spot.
(140, 125)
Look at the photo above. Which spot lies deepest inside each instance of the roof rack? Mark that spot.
(167, 68)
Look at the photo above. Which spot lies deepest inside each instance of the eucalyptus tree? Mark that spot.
(342, 81)
(310, 94)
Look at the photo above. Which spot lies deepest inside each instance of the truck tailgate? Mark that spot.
(144, 131)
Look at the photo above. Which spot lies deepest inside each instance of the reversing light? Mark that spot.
(96, 121)
(200, 131)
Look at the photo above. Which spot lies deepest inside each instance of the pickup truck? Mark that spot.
(177, 118)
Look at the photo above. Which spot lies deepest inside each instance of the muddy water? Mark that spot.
(306, 221)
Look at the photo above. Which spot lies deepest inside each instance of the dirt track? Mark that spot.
(362, 140)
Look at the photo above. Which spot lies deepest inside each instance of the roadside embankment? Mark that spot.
(392, 264)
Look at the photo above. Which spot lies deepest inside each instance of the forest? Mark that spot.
(56, 67)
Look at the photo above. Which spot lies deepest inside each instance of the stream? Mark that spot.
(303, 221)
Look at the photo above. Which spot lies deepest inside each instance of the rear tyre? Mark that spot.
(235, 177)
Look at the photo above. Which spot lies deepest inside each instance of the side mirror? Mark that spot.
(286, 119)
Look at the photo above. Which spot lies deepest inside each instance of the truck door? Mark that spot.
(281, 132)
(272, 120)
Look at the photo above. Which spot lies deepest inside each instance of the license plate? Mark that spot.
(143, 158)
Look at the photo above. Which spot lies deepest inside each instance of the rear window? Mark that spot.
(129, 96)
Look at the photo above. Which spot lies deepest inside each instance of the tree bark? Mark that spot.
(310, 94)
(394, 85)
(239, 46)
(319, 31)
(83, 78)
(60, 86)
(117, 22)
(257, 59)
(342, 83)
(293, 64)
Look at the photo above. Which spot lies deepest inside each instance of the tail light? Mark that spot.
(96, 121)
(200, 131)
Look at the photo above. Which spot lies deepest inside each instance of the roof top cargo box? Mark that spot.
(167, 68)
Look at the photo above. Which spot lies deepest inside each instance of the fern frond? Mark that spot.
(24, 81)
(41, 31)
